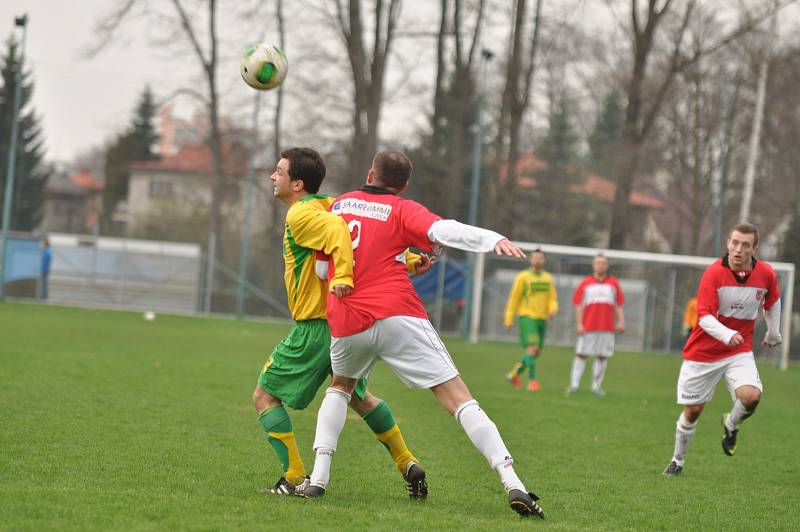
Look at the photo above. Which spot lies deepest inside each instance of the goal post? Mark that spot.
(656, 286)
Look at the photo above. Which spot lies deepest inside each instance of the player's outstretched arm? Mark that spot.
(454, 234)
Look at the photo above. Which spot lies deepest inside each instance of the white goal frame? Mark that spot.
(479, 262)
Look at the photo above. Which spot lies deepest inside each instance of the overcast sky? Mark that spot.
(80, 102)
(83, 102)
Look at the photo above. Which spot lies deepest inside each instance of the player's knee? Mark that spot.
(263, 400)
(750, 400)
(692, 412)
(343, 384)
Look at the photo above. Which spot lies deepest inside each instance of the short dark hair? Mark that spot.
(306, 165)
(747, 229)
(537, 250)
(392, 168)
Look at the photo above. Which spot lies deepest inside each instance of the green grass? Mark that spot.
(111, 422)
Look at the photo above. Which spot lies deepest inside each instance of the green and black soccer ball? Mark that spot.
(264, 66)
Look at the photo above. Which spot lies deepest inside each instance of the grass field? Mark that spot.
(111, 422)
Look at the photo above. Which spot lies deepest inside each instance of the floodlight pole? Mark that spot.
(12, 152)
(246, 222)
(475, 185)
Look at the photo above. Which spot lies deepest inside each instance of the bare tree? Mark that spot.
(648, 85)
(368, 70)
(514, 104)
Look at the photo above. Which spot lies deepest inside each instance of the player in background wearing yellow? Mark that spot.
(534, 299)
(301, 363)
(690, 316)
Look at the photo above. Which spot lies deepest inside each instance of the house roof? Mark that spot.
(81, 183)
(86, 180)
(196, 159)
(601, 188)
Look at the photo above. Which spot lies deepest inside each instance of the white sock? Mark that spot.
(598, 372)
(330, 422)
(484, 436)
(684, 432)
(578, 365)
(738, 414)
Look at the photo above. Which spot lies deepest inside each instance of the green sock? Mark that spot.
(381, 421)
(532, 368)
(278, 427)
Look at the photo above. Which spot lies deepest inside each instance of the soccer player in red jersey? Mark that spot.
(383, 318)
(731, 292)
(598, 301)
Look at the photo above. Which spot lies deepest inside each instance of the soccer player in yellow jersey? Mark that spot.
(533, 298)
(300, 363)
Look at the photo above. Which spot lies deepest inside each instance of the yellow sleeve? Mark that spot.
(553, 304)
(323, 231)
(513, 300)
(690, 313)
(411, 261)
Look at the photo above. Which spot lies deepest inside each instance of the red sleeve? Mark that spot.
(620, 295)
(773, 291)
(415, 221)
(577, 297)
(707, 299)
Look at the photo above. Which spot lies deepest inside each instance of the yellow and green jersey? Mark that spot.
(533, 295)
(311, 228)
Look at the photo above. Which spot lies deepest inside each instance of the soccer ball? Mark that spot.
(264, 66)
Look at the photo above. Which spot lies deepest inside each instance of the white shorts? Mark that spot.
(697, 380)
(410, 346)
(595, 344)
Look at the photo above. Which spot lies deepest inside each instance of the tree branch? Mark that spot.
(106, 28)
(190, 33)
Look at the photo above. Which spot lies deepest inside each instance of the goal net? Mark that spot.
(656, 286)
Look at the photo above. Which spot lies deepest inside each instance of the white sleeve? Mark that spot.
(321, 268)
(454, 234)
(773, 319)
(717, 330)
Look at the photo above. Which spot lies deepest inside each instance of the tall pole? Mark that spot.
(755, 138)
(475, 184)
(246, 222)
(21, 22)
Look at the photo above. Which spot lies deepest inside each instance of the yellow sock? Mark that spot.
(393, 440)
(296, 471)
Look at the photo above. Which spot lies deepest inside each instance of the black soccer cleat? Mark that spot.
(282, 487)
(525, 503)
(673, 469)
(415, 481)
(728, 437)
(310, 491)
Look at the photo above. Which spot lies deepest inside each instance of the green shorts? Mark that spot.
(300, 364)
(531, 331)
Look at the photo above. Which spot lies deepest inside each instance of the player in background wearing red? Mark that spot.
(383, 318)
(731, 292)
(598, 300)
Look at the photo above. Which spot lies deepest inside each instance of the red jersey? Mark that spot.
(734, 300)
(382, 226)
(599, 300)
